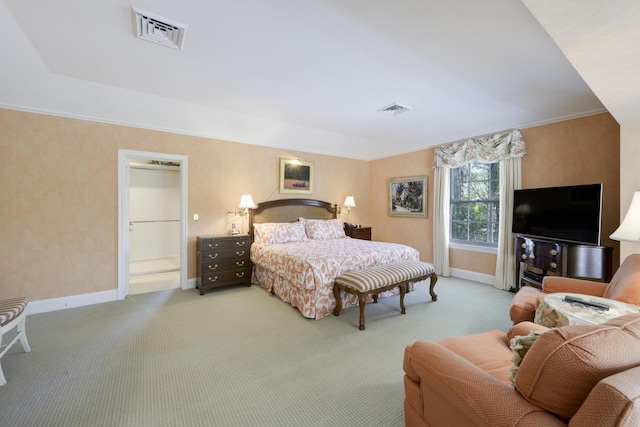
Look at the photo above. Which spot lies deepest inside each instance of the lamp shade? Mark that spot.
(629, 230)
(246, 202)
(349, 202)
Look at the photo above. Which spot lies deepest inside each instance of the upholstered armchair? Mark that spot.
(624, 286)
(578, 375)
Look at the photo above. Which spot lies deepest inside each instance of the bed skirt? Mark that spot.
(312, 303)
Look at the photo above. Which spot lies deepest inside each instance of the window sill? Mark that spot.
(474, 248)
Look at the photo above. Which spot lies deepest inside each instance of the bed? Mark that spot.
(299, 247)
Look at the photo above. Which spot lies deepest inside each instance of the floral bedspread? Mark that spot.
(302, 273)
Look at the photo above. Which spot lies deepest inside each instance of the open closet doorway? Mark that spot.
(152, 222)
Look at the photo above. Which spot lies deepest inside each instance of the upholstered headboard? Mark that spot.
(289, 210)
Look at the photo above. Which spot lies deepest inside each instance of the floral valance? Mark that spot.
(485, 149)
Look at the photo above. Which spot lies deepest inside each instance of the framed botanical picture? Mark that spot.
(296, 176)
(408, 196)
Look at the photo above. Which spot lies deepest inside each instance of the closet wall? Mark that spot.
(154, 229)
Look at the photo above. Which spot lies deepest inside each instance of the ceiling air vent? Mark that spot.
(393, 109)
(158, 29)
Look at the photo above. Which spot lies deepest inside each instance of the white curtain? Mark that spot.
(441, 221)
(506, 148)
(510, 179)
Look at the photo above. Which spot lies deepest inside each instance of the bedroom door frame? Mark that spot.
(124, 180)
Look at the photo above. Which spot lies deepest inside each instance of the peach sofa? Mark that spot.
(579, 375)
(624, 286)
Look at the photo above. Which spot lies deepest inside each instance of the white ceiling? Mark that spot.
(602, 41)
(297, 74)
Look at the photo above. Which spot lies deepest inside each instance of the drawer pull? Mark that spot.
(212, 279)
(213, 256)
(241, 243)
(212, 266)
(239, 275)
(213, 245)
(553, 265)
(523, 246)
(553, 252)
(240, 253)
(240, 263)
(523, 256)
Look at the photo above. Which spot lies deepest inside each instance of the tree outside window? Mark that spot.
(475, 202)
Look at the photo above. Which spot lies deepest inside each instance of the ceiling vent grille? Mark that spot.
(394, 109)
(158, 29)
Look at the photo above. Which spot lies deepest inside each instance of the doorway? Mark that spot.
(152, 231)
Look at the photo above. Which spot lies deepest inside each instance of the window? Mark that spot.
(475, 202)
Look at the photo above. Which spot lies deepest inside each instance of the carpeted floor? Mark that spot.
(233, 357)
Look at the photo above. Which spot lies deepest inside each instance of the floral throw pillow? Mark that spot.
(274, 233)
(520, 345)
(324, 229)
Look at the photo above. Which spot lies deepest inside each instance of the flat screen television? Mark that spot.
(571, 213)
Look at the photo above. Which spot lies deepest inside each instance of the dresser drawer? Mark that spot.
(545, 255)
(222, 278)
(225, 255)
(215, 244)
(221, 265)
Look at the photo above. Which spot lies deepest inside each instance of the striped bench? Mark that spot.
(12, 315)
(375, 280)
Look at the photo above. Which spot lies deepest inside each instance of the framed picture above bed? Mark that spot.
(296, 176)
(408, 196)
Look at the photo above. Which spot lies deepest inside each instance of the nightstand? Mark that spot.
(222, 261)
(363, 233)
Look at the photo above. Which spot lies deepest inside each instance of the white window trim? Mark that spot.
(474, 248)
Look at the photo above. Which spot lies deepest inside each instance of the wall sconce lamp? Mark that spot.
(629, 230)
(246, 203)
(348, 203)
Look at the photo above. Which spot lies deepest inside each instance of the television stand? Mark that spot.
(536, 258)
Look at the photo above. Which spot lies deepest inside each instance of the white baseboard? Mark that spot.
(472, 275)
(191, 283)
(54, 304)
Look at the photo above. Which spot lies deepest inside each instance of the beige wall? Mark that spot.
(412, 231)
(59, 198)
(629, 176)
(579, 151)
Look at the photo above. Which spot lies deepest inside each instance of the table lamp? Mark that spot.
(629, 230)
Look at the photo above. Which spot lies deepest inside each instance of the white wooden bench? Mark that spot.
(12, 315)
(374, 280)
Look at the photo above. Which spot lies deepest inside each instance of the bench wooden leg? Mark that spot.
(336, 294)
(434, 278)
(361, 304)
(403, 290)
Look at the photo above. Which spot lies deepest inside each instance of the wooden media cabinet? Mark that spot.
(536, 258)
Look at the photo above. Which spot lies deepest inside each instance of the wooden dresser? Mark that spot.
(222, 261)
(561, 259)
(363, 233)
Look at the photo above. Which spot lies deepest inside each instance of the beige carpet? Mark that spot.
(233, 357)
